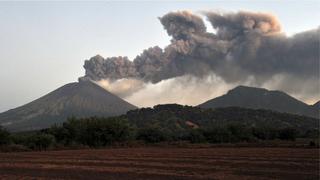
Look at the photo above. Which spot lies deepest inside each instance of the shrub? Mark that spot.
(61, 135)
(197, 136)
(239, 132)
(14, 148)
(288, 134)
(152, 134)
(93, 131)
(40, 141)
(4, 136)
(265, 133)
(101, 132)
(218, 135)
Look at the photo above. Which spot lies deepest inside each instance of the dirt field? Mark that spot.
(163, 163)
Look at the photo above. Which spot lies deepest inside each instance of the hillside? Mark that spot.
(81, 99)
(259, 98)
(172, 122)
(174, 117)
(316, 105)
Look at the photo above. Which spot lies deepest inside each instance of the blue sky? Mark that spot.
(43, 44)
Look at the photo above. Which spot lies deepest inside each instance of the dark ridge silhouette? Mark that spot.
(175, 118)
(316, 105)
(259, 98)
(82, 99)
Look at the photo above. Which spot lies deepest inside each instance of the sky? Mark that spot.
(43, 45)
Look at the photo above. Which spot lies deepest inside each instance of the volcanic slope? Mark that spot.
(81, 99)
(259, 98)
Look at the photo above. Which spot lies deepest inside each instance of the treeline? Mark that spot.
(167, 123)
(101, 132)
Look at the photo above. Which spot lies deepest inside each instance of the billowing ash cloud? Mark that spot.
(180, 25)
(245, 47)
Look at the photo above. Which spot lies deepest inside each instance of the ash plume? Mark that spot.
(246, 47)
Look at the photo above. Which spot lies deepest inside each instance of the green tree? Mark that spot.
(93, 131)
(39, 141)
(288, 134)
(104, 131)
(197, 136)
(239, 132)
(61, 134)
(4, 136)
(218, 135)
(152, 134)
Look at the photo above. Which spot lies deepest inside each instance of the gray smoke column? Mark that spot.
(245, 46)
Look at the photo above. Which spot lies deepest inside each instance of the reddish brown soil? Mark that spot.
(163, 163)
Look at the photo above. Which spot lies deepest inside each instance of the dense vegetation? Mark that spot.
(168, 123)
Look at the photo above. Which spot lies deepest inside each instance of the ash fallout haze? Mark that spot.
(162, 52)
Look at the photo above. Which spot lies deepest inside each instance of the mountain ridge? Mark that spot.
(316, 105)
(260, 98)
(79, 99)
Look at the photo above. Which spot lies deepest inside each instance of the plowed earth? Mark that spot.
(163, 163)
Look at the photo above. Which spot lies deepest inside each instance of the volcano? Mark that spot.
(79, 99)
(260, 98)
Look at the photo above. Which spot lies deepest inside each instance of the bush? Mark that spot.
(101, 132)
(265, 133)
(288, 134)
(61, 134)
(39, 141)
(218, 135)
(239, 132)
(93, 131)
(312, 144)
(197, 136)
(152, 134)
(14, 148)
(311, 134)
(4, 136)
(34, 141)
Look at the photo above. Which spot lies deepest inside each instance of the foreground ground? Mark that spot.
(163, 163)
